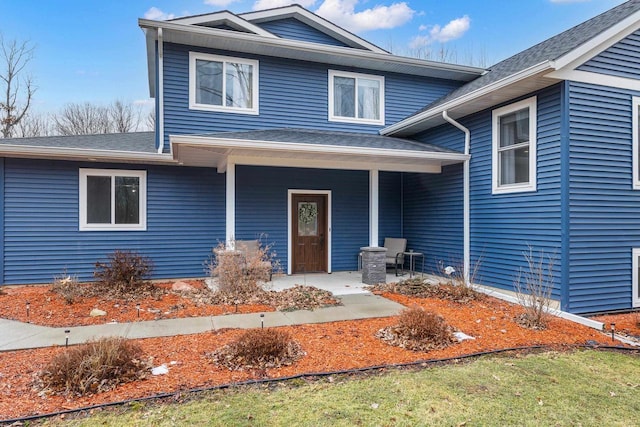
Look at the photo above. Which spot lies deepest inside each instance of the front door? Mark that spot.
(309, 217)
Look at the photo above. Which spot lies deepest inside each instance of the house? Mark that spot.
(280, 123)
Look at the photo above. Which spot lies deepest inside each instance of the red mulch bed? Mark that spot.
(626, 323)
(48, 308)
(329, 347)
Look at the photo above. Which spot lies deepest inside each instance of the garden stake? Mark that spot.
(28, 308)
(138, 308)
(66, 337)
(262, 320)
(613, 331)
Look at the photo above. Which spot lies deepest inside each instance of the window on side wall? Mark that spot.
(113, 200)
(636, 141)
(514, 147)
(221, 83)
(356, 98)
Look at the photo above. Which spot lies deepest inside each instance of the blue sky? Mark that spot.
(94, 50)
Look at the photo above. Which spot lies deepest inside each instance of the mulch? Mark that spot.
(329, 347)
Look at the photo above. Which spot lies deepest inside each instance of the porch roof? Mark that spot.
(311, 148)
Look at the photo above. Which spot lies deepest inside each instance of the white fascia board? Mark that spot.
(465, 99)
(314, 21)
(225, 17)
(194, 140)
(346, 52)
(595, 79)
(600, 42)
(84, 154)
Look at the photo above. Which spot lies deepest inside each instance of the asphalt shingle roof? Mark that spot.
(342, 139)
(141, 142)
(550, 49)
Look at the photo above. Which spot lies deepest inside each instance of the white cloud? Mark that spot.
(342, 12)
(453, 30)
(219, 3)
(158, 15)
(270, 4)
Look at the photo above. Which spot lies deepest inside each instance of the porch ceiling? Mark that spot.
(311, 149)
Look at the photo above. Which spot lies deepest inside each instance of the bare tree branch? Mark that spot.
(18, 89)
(33, 125)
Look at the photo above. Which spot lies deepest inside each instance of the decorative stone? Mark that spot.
(96, 312)
(374, 267)
(182, 287)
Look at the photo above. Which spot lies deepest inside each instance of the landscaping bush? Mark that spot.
(418, 330)
(67, 287)
(259, 349)
(124, 275)
(94, 367)
(535, 293)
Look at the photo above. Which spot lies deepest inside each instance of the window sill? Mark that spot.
(518, 188)
(220, 109)
(356, 121)
(142, 227)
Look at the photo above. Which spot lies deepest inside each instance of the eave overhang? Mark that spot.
(193, 35)
(80, 154)
(208, 151)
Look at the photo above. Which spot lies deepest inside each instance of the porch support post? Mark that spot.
(230, 201)
(373, 208)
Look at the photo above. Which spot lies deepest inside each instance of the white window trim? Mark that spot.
(530, 103)
(193, 105)
(635, 253)
(142, 175)
(635, 140)
(334, 118)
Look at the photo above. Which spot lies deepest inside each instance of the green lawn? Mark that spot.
(587, 388)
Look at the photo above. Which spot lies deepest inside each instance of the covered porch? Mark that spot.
(316, 197)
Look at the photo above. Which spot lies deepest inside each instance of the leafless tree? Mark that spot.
(123, 117)
(151, 120)
(82, 119)
(17, 88)
(33, 125)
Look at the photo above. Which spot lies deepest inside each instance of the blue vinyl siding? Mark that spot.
(502, 226)
(291, 28)
(261, 208)
(292, 94)
(185, 218)
(621, 59)
(389, 205)
(604, 209)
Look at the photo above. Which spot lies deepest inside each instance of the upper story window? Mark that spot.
(636, 141)
(514, 147)
(356, 98)
(113, 200)
(221, 83)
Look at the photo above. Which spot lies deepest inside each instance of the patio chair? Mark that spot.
(395, 251)
(250, 249)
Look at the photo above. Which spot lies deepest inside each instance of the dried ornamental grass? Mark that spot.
(94, 367)
(418, 330)
(259, 349)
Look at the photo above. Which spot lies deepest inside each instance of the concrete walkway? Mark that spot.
(17, 335)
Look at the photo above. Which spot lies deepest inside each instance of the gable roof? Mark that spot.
(311, 19)
(528, 70)
(223, 18)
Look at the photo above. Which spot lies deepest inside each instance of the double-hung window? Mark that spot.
(356, 98)
(514, 147)
(636, 141)
(221, 83)
(113, 200)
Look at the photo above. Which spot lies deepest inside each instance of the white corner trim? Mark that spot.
(160, 93)
(635, 286)
(83, 225)
(334, 118)
(595, 79)
(374, 204)
(635, 140)
(290, 193)
(230, 204)
(496, 188)
(193, 105)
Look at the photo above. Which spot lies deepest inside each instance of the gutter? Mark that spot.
(407, 123)
(11, 150)
(466, 240)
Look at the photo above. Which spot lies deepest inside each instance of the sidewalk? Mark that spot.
(18, 336)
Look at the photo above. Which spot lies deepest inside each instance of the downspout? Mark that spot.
(160, 93)
(466, 264)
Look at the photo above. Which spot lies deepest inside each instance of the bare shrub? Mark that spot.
(259, 349)
(533, 288)
(418, 330)
(94, 367)
(67, 287)
(124, 275)
(300, 298)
